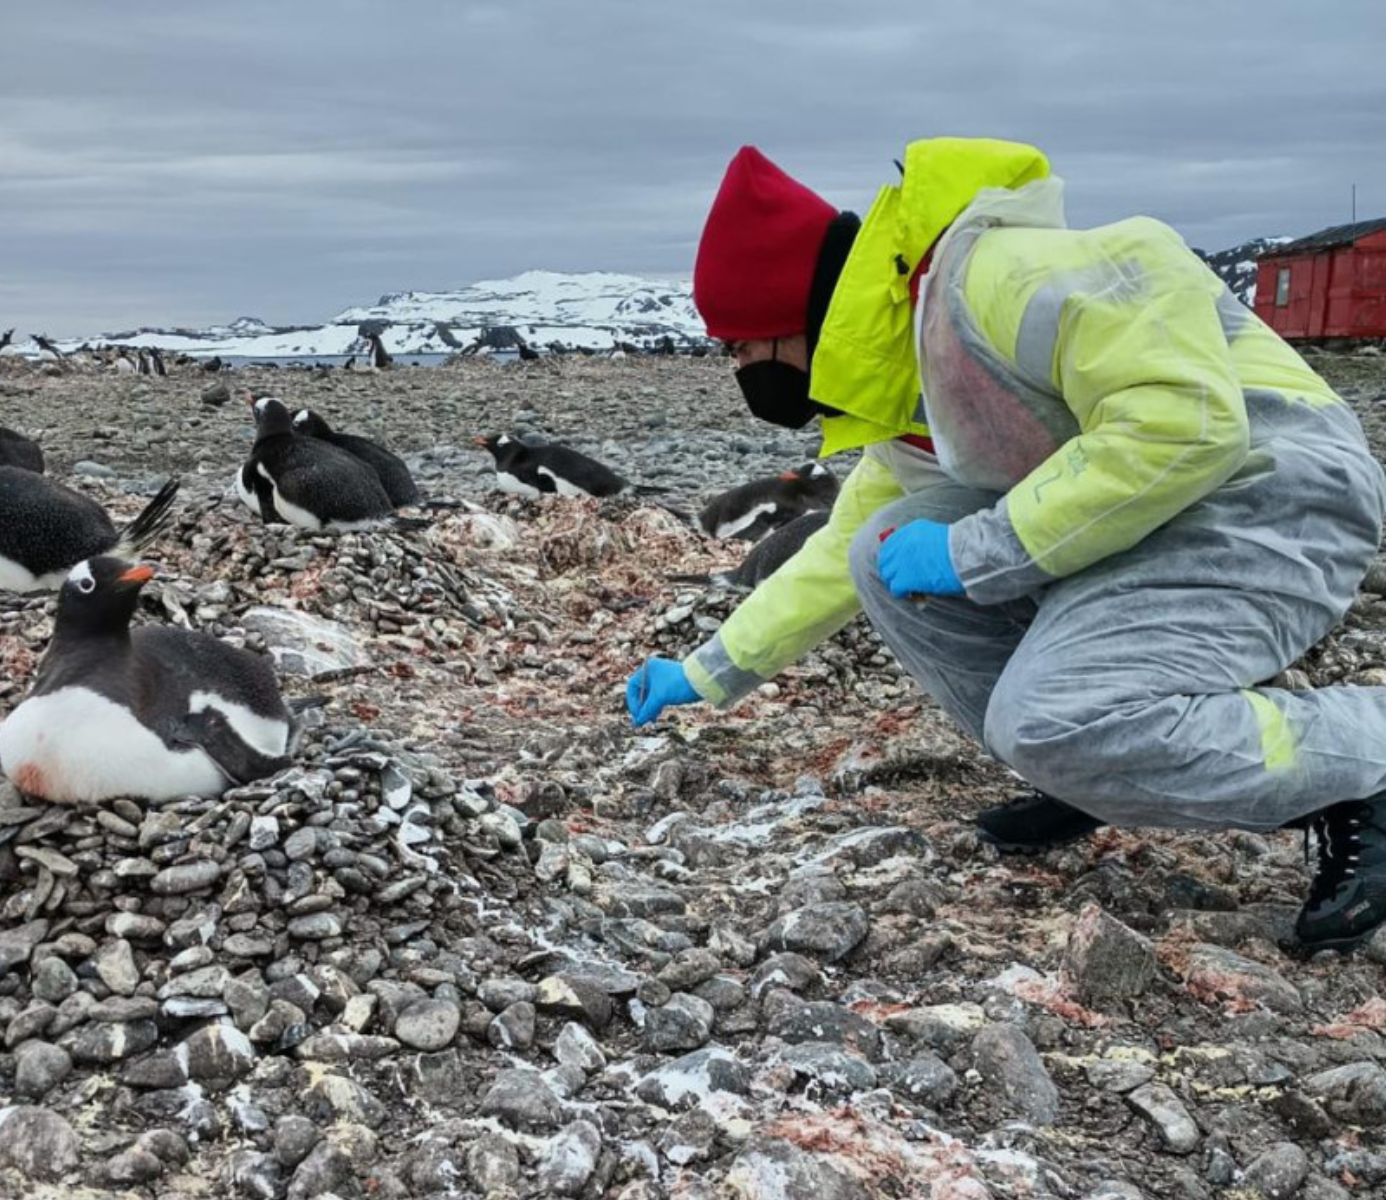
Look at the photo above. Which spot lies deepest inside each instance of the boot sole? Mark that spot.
(1005, 847)
(1344, 945)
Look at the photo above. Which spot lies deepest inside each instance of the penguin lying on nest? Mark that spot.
(752, 509)
(153, 712)
(16, 450)
(388, 466)
(306, 482)
(536, 469)
(46, 528)
(767, 556)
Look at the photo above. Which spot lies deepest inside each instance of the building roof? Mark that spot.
(1333, 235)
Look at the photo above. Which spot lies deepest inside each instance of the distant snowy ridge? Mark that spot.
(1239, 265)
(595, 310)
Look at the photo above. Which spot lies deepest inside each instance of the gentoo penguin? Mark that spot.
(46, 528)
(752, 509)
(767, 556)
(6, 336)
(157, 362)
(315, 485)
(153, 712)
(16, 450)
(378, 356)
(124, 365)
(398, 483)
(533, 470)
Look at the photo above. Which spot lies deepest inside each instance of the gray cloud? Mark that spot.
(184, 163)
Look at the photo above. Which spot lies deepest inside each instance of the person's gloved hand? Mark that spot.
(654, 685)
(915, 560)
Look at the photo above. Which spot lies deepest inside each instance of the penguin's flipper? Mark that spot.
(211, 732)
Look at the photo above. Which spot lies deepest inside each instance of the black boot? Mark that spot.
(1346, 902)
(1033, 822)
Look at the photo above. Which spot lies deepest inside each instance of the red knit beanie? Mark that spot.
(758, 252)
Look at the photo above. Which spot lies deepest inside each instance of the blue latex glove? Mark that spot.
(654, 685)
(915, 560)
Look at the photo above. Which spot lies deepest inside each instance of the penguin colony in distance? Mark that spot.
(155, 711)
(309, 483)
(46, 529)
(752, 509)
(389, 467)
(16, 450)
(548, 468)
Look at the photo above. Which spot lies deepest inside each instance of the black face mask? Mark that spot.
(776, 392)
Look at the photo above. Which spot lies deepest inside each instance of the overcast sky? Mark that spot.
(188, 163)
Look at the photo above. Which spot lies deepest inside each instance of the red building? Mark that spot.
(1328, 285)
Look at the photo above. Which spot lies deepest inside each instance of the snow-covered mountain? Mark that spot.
(595, 311)
(1239, 265)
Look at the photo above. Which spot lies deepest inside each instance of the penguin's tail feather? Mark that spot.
(650, 489)
(409, 523)
(300, 704)
(434, 503)
(689, 518)
(150, 522)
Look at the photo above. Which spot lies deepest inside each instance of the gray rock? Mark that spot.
(578, 999)
(1160, 1105)
(1277, 1173)
(682, 1023)
(341, 1098)
(924, 1079)
(689, 968)
(1213, 970)
(18, 943)
(116, 967)
(52, 980)
(575, 1047)
(293, 1138)
(110, 1041)
(218, 1053)
(1118, 1074)
(39, 1068)
(254, 1175)
(1116, 1189)
(1354, 1093)
(830, 930)
(522, 1099)
(208, 983)
(493, 1165)
(428, 1024)
(569, 1158)
(689, 1080)
(316, 926)
(514, 1028)
(690, 1138)
(37, 1143)
(186, 877)
(774, 1169)
(941, 1027)
(133, 1167)
(823, 1021)
(264, 832)
(829, 1065)
(1010, 1065)
(326, 1169)
(305, 645)
(1105, 960)
(500, 993)
(785, 970)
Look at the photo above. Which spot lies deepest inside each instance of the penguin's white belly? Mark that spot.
(562, 486)
(729, 529)
(73, 746)
(15, 577)
(516, 487)
(303, 518)
(249, 499)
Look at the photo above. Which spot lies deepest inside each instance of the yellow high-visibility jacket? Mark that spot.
(1095, 379)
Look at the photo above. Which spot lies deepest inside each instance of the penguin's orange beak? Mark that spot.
(482, 440)
(789, 476)
(138, 575)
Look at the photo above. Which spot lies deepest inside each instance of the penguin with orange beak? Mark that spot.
(153, 712)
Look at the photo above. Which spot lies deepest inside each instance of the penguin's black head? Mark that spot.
(501, 445)
(271, 416)
(100, 595)
(811, 479)
(311, 423)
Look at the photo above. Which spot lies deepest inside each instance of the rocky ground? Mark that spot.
(485, 939)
